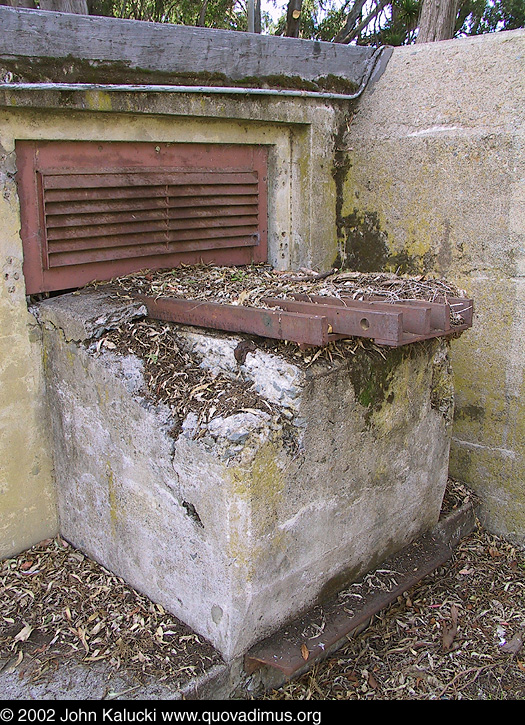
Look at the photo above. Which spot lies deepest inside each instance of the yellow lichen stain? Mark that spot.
(405, 386)
(98, 101)
(102, 394)
(256, 491)
(45, 359)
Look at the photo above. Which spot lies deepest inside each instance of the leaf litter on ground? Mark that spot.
(457, 634)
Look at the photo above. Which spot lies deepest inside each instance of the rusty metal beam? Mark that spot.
(316, 321)
(290, 653)
(314, 330)
(439, 313)
(415, 319)
(361, 320)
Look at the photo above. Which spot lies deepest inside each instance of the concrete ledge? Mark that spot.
(78, 681)
(237, 521)
(165, 48)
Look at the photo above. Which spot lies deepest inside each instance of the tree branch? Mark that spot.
(350, 21)
(355, 32)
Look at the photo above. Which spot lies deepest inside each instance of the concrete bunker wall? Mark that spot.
(298, 132)
(363, 177)
(435, 184)
(239, 521)
(296, 147)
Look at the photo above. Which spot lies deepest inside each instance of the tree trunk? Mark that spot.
(18, 3)
(293, 18)
(353, 34)
(350, 21)
(437, 20)
(202, 14)
(79, 7)
(257, 20)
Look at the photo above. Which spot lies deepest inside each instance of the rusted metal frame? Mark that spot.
(304, 322)
(415, 320)
(127, 249)
(464, 307)
(238, 170)
(416, 313)
(277, 654)
(383, 327)
(442, 309)
(306, 329)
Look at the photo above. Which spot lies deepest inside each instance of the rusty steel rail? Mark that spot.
(315, 321)
(307, 329)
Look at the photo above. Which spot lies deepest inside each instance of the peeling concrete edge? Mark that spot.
(88, 315)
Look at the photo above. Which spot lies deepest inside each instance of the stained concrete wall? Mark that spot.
(242, 521)
(299, 135)
(427, 176)
(27, 500)
(435, 183)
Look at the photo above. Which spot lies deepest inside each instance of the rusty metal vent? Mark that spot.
(96, 211)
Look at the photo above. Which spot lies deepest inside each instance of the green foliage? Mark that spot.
(225, 14)
(393, 23)
(400, 28)
(477, 17)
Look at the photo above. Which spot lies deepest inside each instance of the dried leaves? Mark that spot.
(56, 603)
(175, 376)
(458, 634)
(248, 285)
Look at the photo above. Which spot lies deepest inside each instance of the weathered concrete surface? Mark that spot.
(238, 524)
(435, 182)
(299, 135)
(208, 56)
(27, 504)
(96, 681)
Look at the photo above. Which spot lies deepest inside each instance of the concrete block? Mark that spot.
(239, 523)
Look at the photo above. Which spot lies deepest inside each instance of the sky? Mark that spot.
(269, 7)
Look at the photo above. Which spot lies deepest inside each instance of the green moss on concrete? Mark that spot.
(365, 244)
(78, 70)
(371, 376)
(365, 247)
(379, 380)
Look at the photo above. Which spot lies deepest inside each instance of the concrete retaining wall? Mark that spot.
(299, 135)
(27, 498)
(435, 183)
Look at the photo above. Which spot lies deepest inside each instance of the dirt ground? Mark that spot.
(458, 634)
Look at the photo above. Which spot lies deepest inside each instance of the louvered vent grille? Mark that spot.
(96, 225)
(90, 218)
